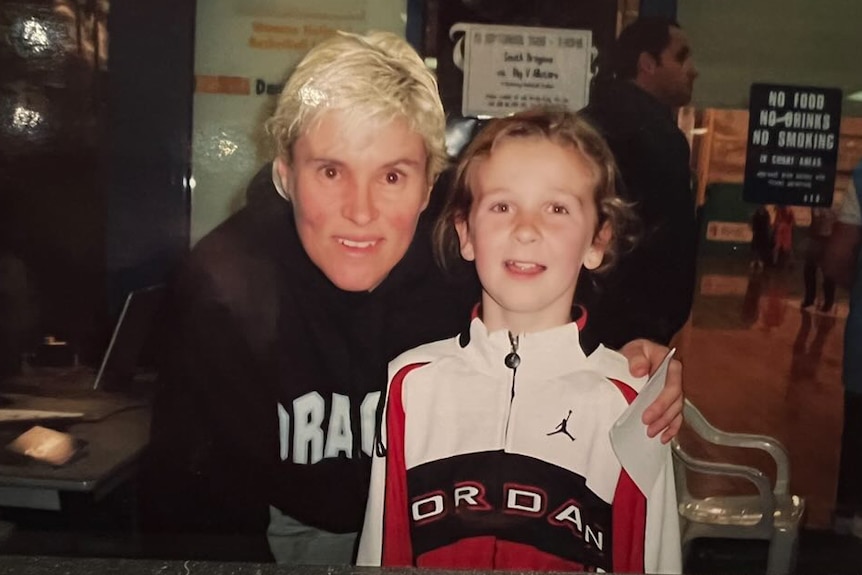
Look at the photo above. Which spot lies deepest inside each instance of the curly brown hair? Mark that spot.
(563, 127)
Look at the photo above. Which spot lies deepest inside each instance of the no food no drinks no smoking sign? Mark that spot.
(792, 148)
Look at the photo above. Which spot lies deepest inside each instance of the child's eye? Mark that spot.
(329, 172)
(500, 208)
(559, 209)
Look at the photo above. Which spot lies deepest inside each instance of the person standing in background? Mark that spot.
(782, 229)
(761, 238)
(822, 221)
(636, 113)
(842, 262)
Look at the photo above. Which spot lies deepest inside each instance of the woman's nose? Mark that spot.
(359, 205)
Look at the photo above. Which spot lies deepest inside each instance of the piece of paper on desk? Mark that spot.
(44, 444)
(641, 456)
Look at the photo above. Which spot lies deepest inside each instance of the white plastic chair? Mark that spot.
(773, 514)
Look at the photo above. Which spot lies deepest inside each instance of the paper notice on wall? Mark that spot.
(510, 68)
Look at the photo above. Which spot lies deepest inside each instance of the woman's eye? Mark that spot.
(393, 177)
(330, 172)
(500, 208)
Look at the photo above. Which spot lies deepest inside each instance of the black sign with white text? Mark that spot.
(792, 148)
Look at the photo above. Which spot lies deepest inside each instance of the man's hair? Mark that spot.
(559, 126)
(650, 35)
(376, 77)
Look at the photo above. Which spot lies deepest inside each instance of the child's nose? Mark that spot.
(526, 230)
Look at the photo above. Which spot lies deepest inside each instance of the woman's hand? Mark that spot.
(665, 413)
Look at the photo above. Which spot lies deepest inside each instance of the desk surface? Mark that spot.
(115, 430)
(52, 565)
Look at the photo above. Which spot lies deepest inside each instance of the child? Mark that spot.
(782, 230)
(761, 239)
(497, 450)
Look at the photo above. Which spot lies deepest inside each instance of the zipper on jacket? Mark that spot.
(512, 361)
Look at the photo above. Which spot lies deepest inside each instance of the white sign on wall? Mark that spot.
(510, 68)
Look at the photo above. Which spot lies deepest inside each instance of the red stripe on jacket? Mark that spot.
(629, 514)
(397, 547)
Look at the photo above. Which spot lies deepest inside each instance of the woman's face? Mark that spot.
(357, 193)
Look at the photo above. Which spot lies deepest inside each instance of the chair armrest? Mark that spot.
(765, 443)
(755, 476)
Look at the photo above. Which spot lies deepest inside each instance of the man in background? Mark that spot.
(822, 222)
(649, 292)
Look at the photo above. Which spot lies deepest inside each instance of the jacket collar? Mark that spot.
(545, 354)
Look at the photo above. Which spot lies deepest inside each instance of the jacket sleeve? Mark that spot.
(371, 539)
(662, 549)
(386, 535)
(646, 524)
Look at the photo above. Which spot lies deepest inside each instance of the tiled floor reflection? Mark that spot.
(755, 362)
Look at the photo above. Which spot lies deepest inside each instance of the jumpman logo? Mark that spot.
(562, 427)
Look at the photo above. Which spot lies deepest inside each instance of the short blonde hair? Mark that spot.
(374, 77)
(559, 126)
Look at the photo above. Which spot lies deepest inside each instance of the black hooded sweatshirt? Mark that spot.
(271, 376)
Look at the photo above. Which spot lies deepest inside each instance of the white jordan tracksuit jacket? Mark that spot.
(485, 466)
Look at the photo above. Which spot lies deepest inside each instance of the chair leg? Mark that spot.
(685, 539)
(685, 549)
(782, 552)
(6, 531)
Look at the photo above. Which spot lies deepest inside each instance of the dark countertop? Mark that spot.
(53, 565)
(20, 565)
(113, 432)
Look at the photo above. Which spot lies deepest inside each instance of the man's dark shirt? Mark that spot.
(648, 293)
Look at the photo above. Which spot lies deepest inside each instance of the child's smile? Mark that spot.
(524, 268)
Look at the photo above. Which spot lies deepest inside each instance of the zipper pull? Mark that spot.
(513, 360)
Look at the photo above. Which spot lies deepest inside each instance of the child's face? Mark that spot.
(531, 228)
